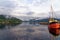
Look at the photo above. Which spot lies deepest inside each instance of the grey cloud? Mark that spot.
(43, 1)
(5, 11)
(39, 2)
(6, 7)
(26, 1)
(29, 13)
(8, 4)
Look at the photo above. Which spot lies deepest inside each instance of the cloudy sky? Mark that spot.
(28, 8)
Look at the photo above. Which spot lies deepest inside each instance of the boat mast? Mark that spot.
(52, 12)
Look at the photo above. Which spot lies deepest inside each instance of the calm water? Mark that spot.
(26, 31)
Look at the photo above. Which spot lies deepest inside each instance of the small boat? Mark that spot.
(54, 25)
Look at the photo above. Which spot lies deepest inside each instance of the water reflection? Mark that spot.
(25, 31)
(54, 31)
(2, 26)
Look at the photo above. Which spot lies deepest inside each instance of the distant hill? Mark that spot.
(9, 20)
(42, 20)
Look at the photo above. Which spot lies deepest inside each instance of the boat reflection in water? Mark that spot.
(54, 31)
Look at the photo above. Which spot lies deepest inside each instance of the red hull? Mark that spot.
(54, 25)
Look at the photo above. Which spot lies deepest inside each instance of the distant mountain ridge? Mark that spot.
(42, 20)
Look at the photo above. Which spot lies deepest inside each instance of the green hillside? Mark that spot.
(9, 20)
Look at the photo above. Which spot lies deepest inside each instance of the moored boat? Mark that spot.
(54, 25)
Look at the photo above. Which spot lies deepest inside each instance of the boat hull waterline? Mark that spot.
(54, 28)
